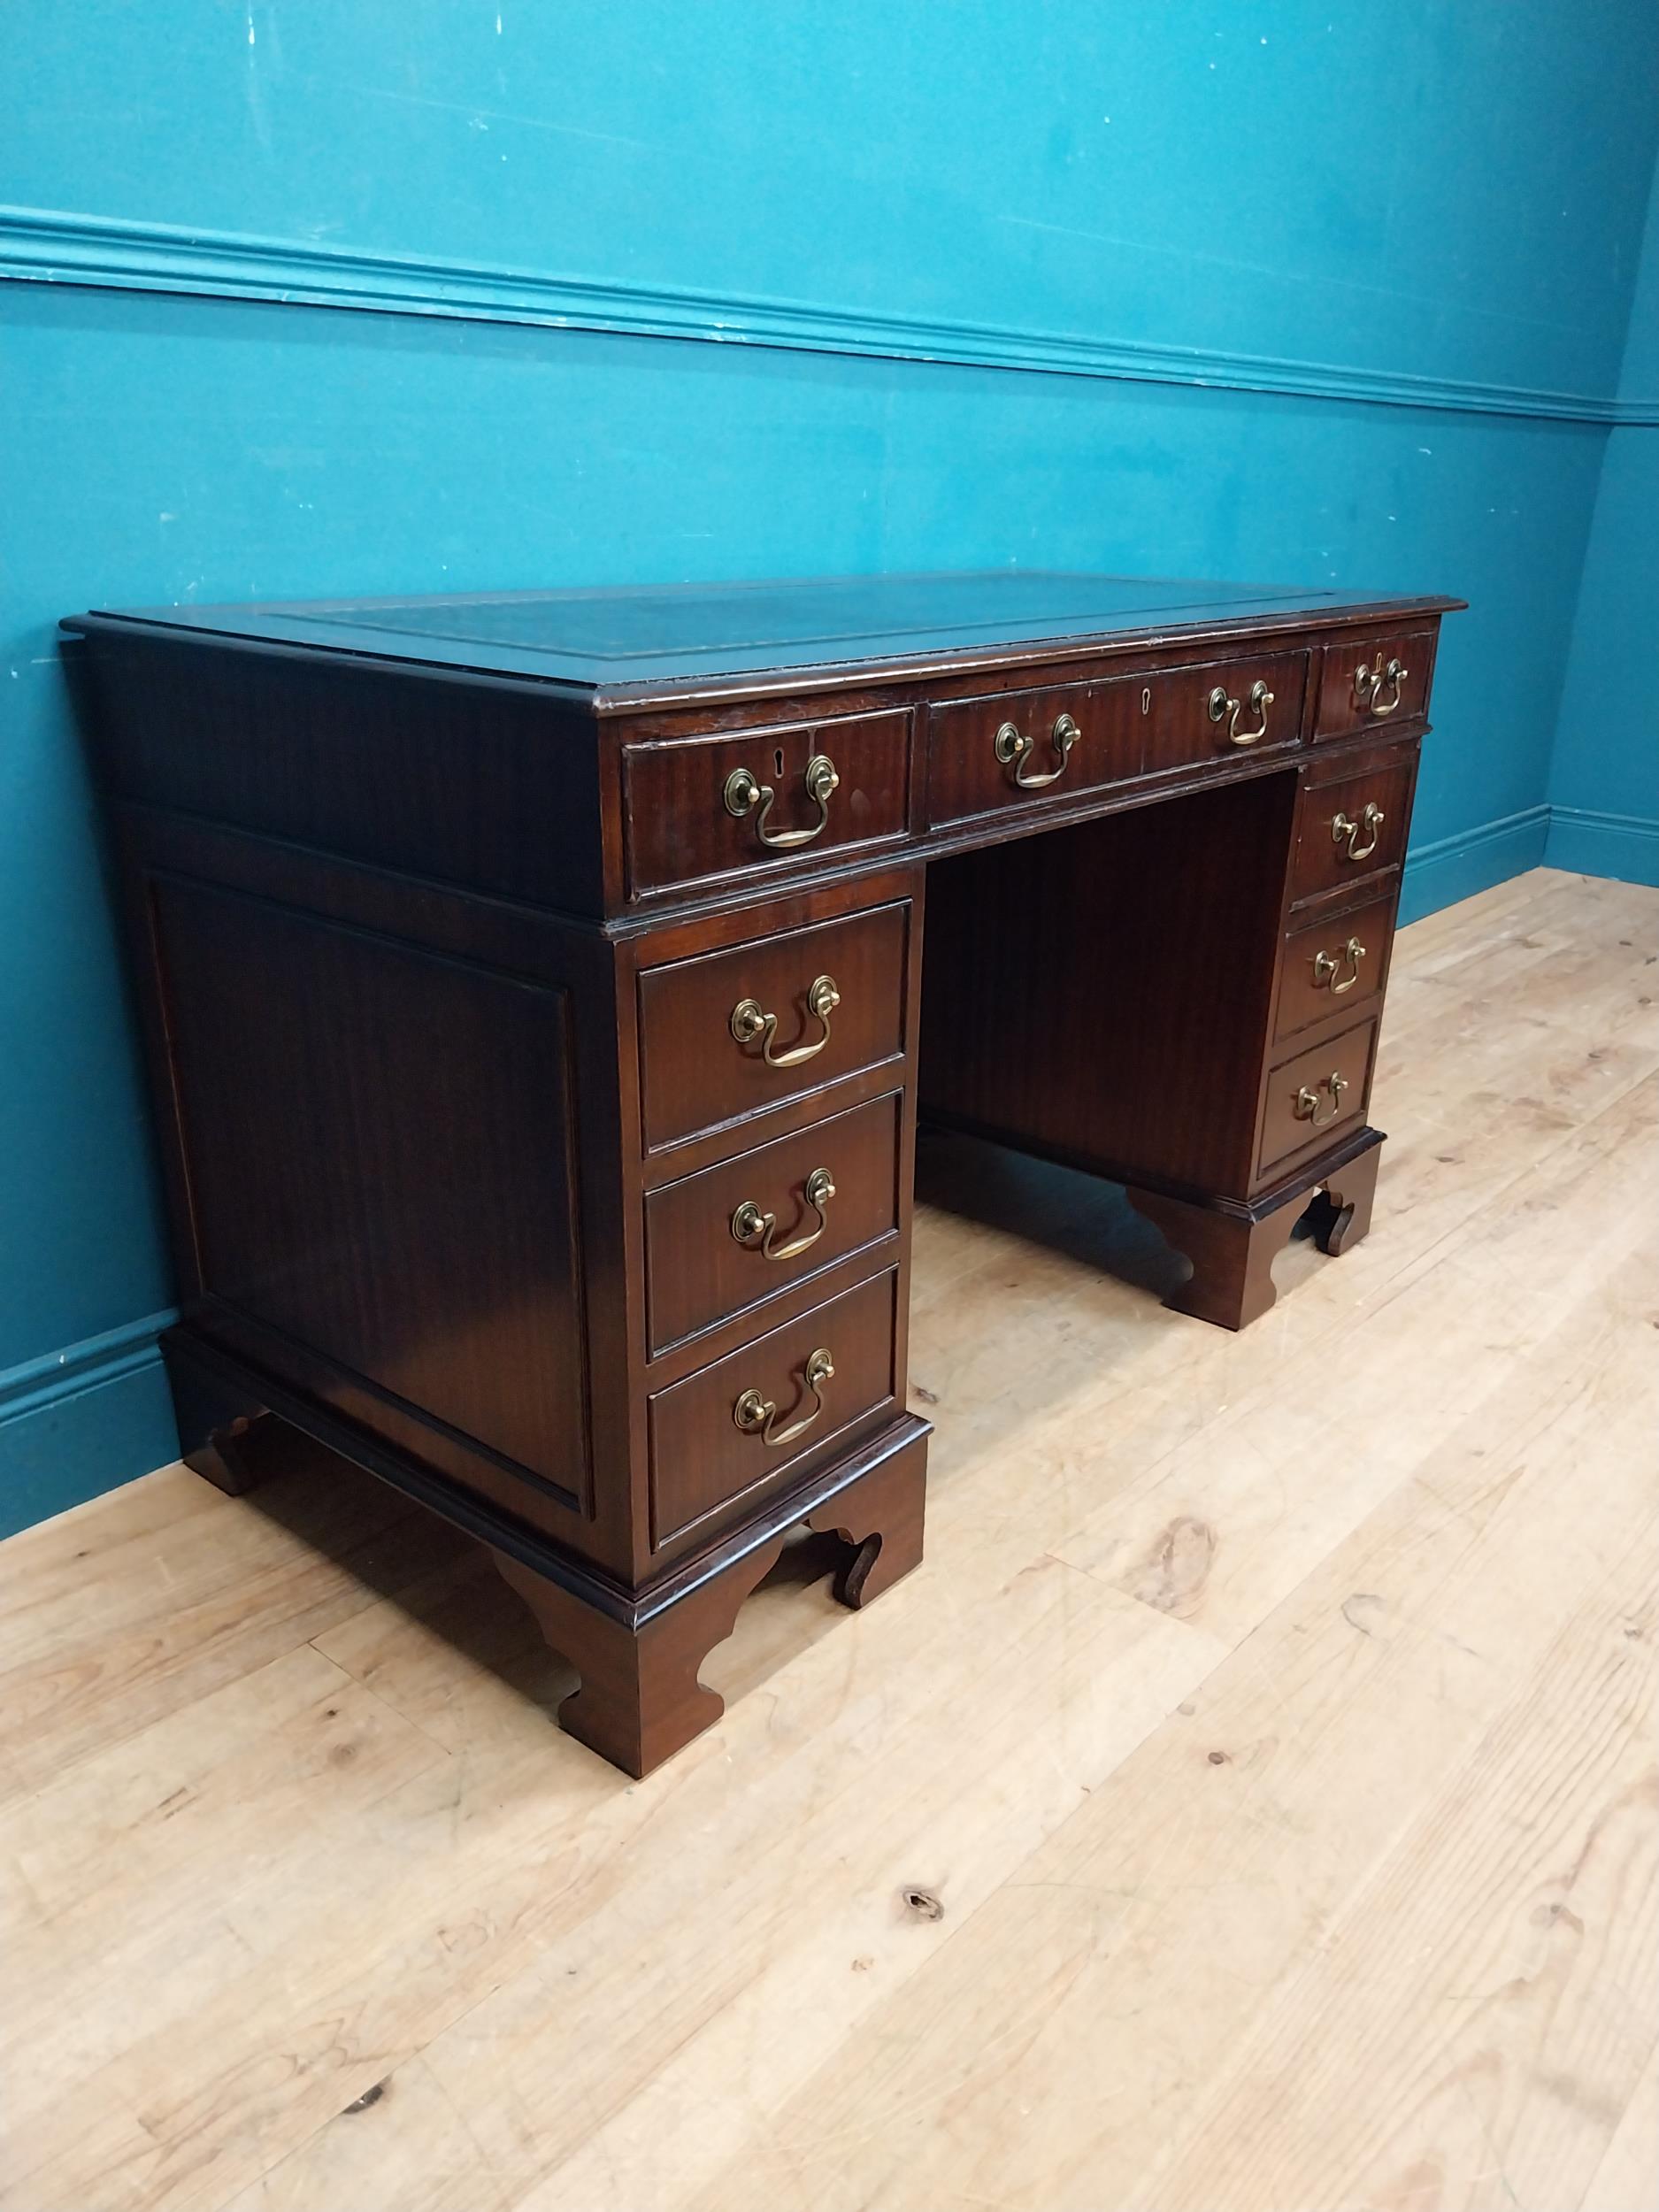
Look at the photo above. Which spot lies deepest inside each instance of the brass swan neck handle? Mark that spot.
(755, 1415)
(744, 793)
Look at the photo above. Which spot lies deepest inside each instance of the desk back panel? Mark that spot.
(1100, 995)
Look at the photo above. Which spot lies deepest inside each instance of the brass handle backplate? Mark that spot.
(1308, 1101)
(1377, 690)
(1223, 708)
(1014, 749)
(754, 1414)
(743, 794)
(749, 1020)
(1328, 965)
(1372, 818)
(751, 1226)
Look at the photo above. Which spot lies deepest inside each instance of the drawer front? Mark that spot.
(1023, 748)
(726, 1034)
(1351, 827)
(1367, 683)
(736, 1426)
(1222, 708)
(769, 799)
(726, 1240)
(1318, 1096)
(1332, 965)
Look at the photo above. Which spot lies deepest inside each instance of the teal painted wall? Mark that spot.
(1604, 773)
(1340, 293)
(1444, 187)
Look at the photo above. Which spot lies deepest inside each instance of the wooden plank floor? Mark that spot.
(1270, 1721)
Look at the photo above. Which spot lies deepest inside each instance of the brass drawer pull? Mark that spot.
(1308, 1101)
(754, 1414)
(1014, 749)
(1369, 684)
(749, 1021)
(743, 794)
(1328, 965)
(751, 1226)
(1223, 709)
(1372, 818)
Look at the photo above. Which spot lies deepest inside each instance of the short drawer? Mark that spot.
(1318, 1096)
(1369, 682)
(724, 1240)
(1348, 827)
(1021, 747)
(1225, 707)
(1332, 963)
(729, 1033)
(736, 1426)
(697, 807)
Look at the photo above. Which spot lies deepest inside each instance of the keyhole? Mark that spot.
(777, 760)
(1146, 700)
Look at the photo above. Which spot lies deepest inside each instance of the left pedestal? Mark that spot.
(586, 1228)
(638, 1653)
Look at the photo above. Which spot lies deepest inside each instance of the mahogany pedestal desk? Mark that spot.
(537, 1020)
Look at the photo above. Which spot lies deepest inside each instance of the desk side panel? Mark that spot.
(388, 1118)
(489, 785)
